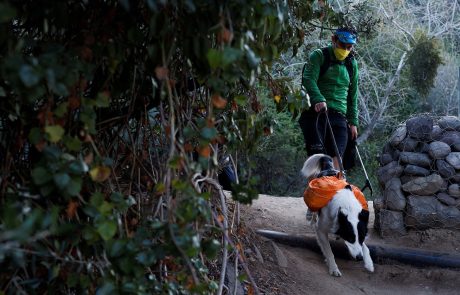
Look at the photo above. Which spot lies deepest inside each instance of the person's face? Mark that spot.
(341, 45)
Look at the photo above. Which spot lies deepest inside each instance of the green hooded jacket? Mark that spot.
(334, 86)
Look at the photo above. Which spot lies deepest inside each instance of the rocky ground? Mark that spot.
(282, 269)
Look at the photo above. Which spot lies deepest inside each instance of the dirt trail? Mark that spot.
(298, 271)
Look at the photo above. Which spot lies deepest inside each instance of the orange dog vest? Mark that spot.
(320, 192)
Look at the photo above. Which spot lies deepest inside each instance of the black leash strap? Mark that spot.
(368, 182)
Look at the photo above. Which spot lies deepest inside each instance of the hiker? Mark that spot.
(331, 81)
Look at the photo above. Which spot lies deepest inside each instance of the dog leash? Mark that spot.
(368, 182)
(336, 149)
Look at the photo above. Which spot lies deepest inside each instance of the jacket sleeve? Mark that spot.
(352, 108)
(311, 75)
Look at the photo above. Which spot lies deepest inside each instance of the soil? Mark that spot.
(282, 269)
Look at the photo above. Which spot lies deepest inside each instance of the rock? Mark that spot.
(436, 133)
(408, 145)
(393, 195)
(455, 178)
(456, 147)
(454, 159)
(449, 123)
(423, 147)
(280, 257)
(417, 159)
(407, 178)
(450, 137)
(446, 199)
(445, 169)
(416, 170)
(378, 204)
(448, 216)
(385, 159)
(438, 149)
(420, 127)
(454, 190)
(390, 223)
(398, 136)
(389, 171)
(421, 212)
(232, 280)
(259, 256)
(424, 185)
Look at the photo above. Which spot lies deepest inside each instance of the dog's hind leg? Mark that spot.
(325, 246)
(368, 264)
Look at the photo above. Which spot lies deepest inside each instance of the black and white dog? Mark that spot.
(343, 216)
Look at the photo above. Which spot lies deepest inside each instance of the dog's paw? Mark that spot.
(369, 266)
(335, 272)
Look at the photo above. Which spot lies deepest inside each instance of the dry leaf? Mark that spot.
(161, 73)
(205, 151)
(225, 36)
(277, 98)
(99, 173)
(218, 101)
(72, 209)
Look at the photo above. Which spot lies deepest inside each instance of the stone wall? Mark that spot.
(420, 177)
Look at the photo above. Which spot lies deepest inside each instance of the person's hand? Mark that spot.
(320, 105)
(354, 132)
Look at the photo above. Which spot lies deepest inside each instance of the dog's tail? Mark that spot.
(312, 166)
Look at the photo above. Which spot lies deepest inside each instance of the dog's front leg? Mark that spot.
(368, 264)
(325, 246)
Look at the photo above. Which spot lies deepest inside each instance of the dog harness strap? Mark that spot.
(320, 192)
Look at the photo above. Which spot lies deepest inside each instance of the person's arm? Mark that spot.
(311, 76)
(352, 107)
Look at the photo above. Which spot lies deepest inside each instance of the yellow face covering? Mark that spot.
(340, 53)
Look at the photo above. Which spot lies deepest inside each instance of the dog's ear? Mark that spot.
(364, 216)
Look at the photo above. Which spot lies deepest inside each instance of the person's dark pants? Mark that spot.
(317, 134)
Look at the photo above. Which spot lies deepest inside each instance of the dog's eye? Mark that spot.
(345, 230)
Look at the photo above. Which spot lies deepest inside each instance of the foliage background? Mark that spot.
(116, 117)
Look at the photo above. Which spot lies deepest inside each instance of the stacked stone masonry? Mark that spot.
(420, 175)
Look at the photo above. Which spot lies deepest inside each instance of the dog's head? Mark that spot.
(318, 165)
(352, 227)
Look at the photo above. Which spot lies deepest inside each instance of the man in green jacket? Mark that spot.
(333, 91)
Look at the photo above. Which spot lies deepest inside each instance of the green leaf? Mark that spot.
(61, 110)
(74, 186)
(2, 91)
(28, 75)
(214, 58)
(108, 288)
(105, 208)
(103, 100)
(107, 229)
(208, 133)
(61, 180)
(230, 56)
(241, 100)
(72, 143)
(96, 199)
(35, 135)
(41, 176)
(55, 132)
(211, 248)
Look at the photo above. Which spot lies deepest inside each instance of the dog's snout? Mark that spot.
(359, 257)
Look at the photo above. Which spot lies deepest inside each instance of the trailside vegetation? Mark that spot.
(115, 119)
